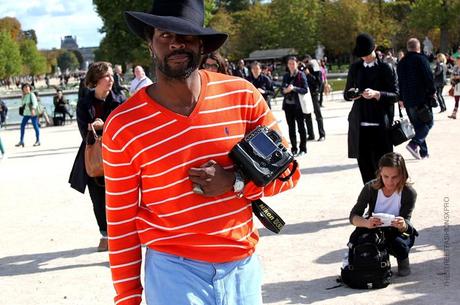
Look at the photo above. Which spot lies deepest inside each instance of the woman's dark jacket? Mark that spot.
(385, 81)
(368, 198)
(440, 78)
(300, 83)
(86, 114)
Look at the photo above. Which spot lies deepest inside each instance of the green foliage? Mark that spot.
(33, 62)
(120, 46)
(10, 57)
(67, 60)
(12, 26)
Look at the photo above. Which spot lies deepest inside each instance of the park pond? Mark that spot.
(46, 100)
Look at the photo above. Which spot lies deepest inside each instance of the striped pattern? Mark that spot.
(147, 151)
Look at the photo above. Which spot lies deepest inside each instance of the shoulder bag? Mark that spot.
(401, 130)
(93, 156)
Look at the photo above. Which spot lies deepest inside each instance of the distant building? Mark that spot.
(88, 56)
(69, 43)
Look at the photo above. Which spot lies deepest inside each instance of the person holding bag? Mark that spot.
(29, 112)
(92, 112)
(372, 85)
(455, 81)
(295, 83)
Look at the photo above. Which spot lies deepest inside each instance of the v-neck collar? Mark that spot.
(180, 117)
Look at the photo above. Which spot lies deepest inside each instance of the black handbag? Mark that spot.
(21, 110)
(424, 113)
(401, 130)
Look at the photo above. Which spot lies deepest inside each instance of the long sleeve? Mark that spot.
(263, 116)
(361, 203)
(122, 181)
(390, 94)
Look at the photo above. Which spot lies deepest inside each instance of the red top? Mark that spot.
(148, 150)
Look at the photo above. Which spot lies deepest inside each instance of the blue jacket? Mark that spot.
(416, 84)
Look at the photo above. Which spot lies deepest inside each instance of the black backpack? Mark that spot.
(368, 260)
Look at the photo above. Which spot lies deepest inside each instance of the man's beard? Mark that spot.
(179, 73)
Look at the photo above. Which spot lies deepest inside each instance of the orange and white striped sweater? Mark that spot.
(147, 152)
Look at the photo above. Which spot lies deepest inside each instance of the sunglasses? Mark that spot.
(209, 66)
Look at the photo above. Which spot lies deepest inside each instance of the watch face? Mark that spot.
(238, 186)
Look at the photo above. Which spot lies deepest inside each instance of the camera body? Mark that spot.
(261, 155)
(354, 93)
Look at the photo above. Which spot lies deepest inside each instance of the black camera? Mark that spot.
(354, 93)
(261, 156)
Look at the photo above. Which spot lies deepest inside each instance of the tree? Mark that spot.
(12, 26)
(429, 15)
(10, 57)
(33, 62)
(297, 22)
(120, 45)
(67, 61)
(255, 29)
(222, 21)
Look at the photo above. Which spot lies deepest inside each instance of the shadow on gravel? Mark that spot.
(308, 227)
(430, 281)
(37, 263)
(327, 169)
(305, 292)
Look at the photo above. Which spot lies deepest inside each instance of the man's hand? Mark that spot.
(262, 91)
(401, 104)
(370, 94)
(212, 179)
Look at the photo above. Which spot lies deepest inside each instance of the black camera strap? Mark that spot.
(267, 216)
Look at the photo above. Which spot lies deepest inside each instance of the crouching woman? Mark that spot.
(389, 193)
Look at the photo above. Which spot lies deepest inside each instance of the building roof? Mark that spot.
(271, 54)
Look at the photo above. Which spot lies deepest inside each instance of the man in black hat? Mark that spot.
(170, 184)
(372, 85)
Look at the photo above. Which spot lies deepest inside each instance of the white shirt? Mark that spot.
(137, 84)
(369, 65)
(389, 205)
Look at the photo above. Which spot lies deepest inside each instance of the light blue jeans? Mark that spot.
(171, 279)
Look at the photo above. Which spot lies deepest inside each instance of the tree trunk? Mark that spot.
(444, 28)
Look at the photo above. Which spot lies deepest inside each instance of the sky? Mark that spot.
(54, 19)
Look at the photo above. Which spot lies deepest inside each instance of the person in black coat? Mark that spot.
(262, 82)
(94, 108)
(416, 88)
(373, 86)
(295, 83)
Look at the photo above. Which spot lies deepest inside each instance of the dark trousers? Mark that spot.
(440, 98)
(398, 245)
(318, 116)
(421, 130)
(309, 124)
(294, 116)
(97, 193)
(321, 92)
(371, 148)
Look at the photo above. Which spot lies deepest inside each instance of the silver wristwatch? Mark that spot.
(238, 186)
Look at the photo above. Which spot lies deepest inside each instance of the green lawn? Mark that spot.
(337, 84)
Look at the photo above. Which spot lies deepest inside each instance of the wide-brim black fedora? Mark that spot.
(364, 45)
(184, 17)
